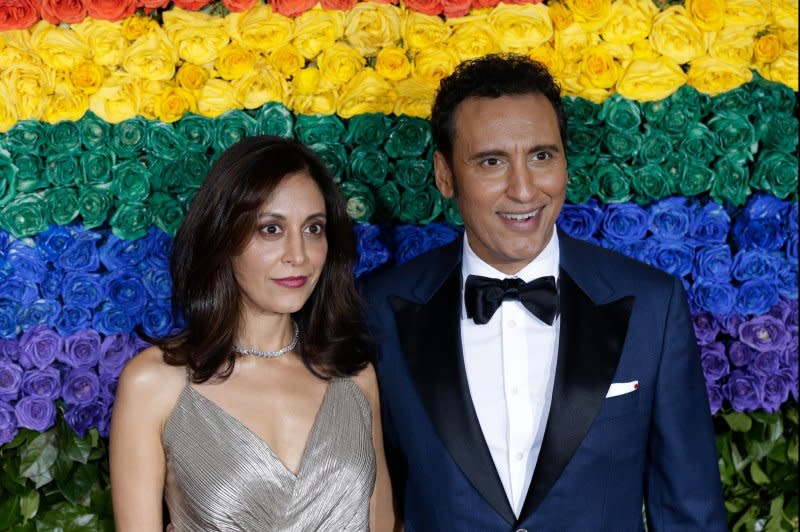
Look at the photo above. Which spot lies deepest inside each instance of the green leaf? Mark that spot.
(757, 474)
(739, 463)
(29, 505)
(757, 450)
(738, 421)
(775, 523)
(9, 512)
(38, 457)
(73, 447)
(791, 415)
(747, 521)
(791, 451)
(77, 488)
(775, 430)
(65, 517)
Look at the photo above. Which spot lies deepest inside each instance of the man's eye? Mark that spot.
(542, 155)
(491, 161)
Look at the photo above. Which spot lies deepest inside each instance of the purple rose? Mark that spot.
(624, 222)
(117, 253)
(39, 346)
(730, 324)
(82, 290)
(115, 351)
(766, 362)
(792, 318)
(82, 349)
(108, 387)
(10, 380)
(740, 354)
(706, 327)
(756, 296)
(713, 263)
(35, 413)
(81, 418)
(581, 221)
(372, 252)
(755, 264)
(674, 257)
(781, 311)
(776, 391)
(28, 264)
(671, 219)
(72, 319)
(711, 224)
(39, 312)
(124, 289)
(80, 387)
(715, 396)
(415, 240)
(744, 391)
(714, 362)
(54, 241)
(718, 298)
(8, 423)
(9, 350)
(764, 333)
(42, 383)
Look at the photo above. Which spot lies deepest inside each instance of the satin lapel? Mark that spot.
(431, 341)
(590, 345)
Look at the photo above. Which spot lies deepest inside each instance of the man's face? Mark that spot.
(508, 175)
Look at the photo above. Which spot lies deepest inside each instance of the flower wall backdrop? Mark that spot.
(683, 153)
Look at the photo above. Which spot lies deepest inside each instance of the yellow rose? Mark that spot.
(319, 99)
(598, 68)
(11, 55)
(521, 27)
(28, 86)
(676, 36)
(546, 55)
(713, 76)
(370, 27)
(191, 76)
(151, 56)
(234, 61)
(649, 80)
(414, 99)
(134, 27)
(8, 114)
(782, 70)
(630, 21)
(88, 77)
(259, 86)
(733, 45)
(198, 37)
(433, 64)
(316, 30)
(216, 97)
(286, 59)
(591, 14)
(20, 39)
(259, 28)
(105, 39)
(572, 40)
(66, 102)
(560, 15)
(367, 92)
(339, 63)
(59, 48)
(392, 63)
(421, 31)
(788, 38)
(151, 92)
(473, 39)
(306, 81)
(118, 99)
(747, 13)
(708, 15)
(784, 13)
(644, 50)
(175, 102)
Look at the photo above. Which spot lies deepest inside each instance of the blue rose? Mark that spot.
(42, 383)
(372, 252)
(745, 391)
(50, 287)
(27, 262)
(54, 241)
(756, 296)
(159, 248)
(111, 319)
(673, 257)
(80, 387)
(39, 312)
(8, 423)
(81, 255)
(35, 413)
(766, 206)
(755, 264)
(581, 221)
(81, 418)
(671, 218)
(763, 233)
(713, 263)
(124, 289)
(10, 380)
(82, 290)
(8, 319)
(157, 283)
(791, 246)
(710, 224)
(157, 319)
(787, 280)
(115, 351)
(714, 362)
(713, 296)
(117, 254)
(72, 319)
(6, 269)
(791, 219)
(19, 291)
(624, 222)
(412, 241)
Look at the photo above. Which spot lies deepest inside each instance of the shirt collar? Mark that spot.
(544, 264)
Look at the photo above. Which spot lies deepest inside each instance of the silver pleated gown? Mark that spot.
(221, 476)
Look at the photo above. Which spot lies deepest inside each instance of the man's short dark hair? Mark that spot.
(491, 76)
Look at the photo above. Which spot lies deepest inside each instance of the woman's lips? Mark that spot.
(291, 282)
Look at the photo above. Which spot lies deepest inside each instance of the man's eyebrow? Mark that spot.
(496, 152)
(269, 214)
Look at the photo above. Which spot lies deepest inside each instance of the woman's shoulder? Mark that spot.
(367, 382)
(147, 375)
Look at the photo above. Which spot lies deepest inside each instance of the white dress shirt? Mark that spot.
(511, 364)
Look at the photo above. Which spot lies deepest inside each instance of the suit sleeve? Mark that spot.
(682, 489)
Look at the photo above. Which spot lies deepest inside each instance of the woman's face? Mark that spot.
(281, 264)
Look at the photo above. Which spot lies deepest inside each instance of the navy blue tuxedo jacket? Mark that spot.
(601, 458)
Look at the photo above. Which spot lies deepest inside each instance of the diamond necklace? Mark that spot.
(271, 354)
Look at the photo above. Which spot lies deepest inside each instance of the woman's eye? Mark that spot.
(315, 229)
(271, 229)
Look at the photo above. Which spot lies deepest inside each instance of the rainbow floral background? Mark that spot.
(683, 153)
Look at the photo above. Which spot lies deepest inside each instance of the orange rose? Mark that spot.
(150, 5)
(342, 5)
(191, 5)
(291, 8)
(18, 14)
(110, 9)
(455, 8)
(237, 6)
(57, 11)
(477, 4)
(427, 7)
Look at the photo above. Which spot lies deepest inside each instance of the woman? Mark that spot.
(262, 414)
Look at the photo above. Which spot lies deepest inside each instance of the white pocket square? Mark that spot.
(621, 388)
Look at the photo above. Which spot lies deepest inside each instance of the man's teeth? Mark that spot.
(522, 216)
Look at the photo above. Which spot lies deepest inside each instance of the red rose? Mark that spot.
(484, 3)
(237, 6)
(18, 14)
(57, 11)
(150, 5)
(455, 8)
(191, 5)
(110, 9)
(338, 4)
(428, 7)
(395, 2)
(290, 8)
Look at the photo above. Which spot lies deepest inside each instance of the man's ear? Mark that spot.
(443, 174)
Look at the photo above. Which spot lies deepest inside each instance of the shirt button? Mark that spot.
(521, 530)
(512, 324)
(518, 456)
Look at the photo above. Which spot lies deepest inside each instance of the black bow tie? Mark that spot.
(483, 296)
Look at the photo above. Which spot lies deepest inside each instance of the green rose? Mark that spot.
(198, 132)
(26, 136)
(129, 137)
(772, 97)
(583, 145)
(621, 114)
(166, 211)
(25, 215)
(677, 122)
(30, 175)
(96, 166)
(166, 176)
(164, 142)
(195, 169)
(451, 213)
(369, 129)
(388, 198)
(62, 202)
(656, 147)
(130, 181)
(8, 177)
(420, 206)
(409, 137)
(333, 155)
(311, 129)
(130, 221)
(580, 185)
(94, 131)
(650, 182)
(776, 172)
(613, 181)
(738, 101)
(63, 169)
(368, 165)
(275, 119)
(413, 173)
(654, 112)
(691, 100)
(580, 111)
(622, 145)
(700, 144)
(232, 127)
(696, 179)
(731, 181)
(778, 131)
(63, 138)
(359, 199)
(735, 133)
(93, 205)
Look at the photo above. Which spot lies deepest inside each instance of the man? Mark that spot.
(563, 404)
